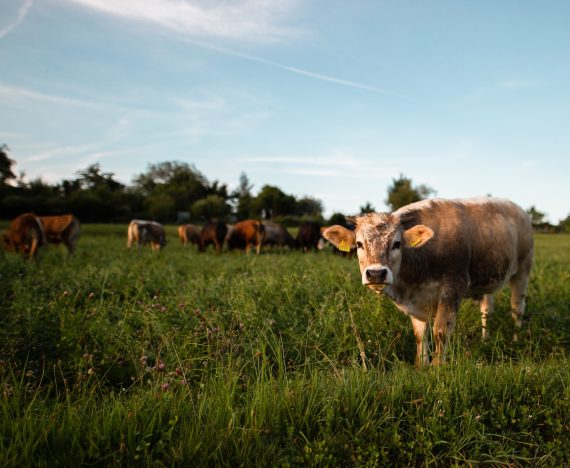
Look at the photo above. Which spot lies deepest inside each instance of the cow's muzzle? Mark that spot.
(376, 275)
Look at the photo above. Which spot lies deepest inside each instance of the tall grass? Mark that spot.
(176, 358)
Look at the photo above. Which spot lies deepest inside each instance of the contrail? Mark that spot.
(298, 71)
(21, 15)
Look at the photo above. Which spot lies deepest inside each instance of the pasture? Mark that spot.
(178, 358)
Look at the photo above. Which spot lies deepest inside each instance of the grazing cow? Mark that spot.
(189, 233)
(213, 233)
(429, 255)
(146, 232)
(246, 233)
(25, 235)
(309, 235)
(61, 229)
(277, 235)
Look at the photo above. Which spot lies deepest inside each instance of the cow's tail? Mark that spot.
(42, 239)
(38, 236)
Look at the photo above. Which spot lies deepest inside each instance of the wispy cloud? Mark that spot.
(230, 19)
(12, 92)
(337, 164)
(516, 84)
(246, 20)
(22, 13)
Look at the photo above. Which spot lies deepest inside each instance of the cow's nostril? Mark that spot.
(376, 275)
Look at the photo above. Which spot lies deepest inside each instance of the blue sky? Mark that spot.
(326, 98)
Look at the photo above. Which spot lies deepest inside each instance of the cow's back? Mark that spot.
(483, 240)
(63, 228)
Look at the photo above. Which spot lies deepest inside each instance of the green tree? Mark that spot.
(242, 198)
(213, 207)
(367, 208)
(6, 164)
(161, 206)
(402, 193)
(272, 201)
(182, 182)
(564, 224)
(92, 178)
(337, 218)
(536, 216)
(308, 206)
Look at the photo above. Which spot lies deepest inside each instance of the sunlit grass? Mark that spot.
(118, 357)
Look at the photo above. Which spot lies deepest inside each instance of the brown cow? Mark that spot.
(189, 233)
(214, 234)
(309, 235)
(25, 235)
(246, 233)
(146, 232)
(62, 229)
(429, 255)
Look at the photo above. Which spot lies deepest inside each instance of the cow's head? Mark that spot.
(8, 245)
(379, 239)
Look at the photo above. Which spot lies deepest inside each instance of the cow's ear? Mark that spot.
(342, 238)
(417, 236)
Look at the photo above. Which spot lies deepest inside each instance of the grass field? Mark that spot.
(176, 358)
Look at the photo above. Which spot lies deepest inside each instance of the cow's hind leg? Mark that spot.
(487, 307)
(420, 332)
(519, 284)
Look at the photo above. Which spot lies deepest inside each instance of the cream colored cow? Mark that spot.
(429, 255)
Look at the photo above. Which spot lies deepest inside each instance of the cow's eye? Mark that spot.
(396, 245)
(359, 245)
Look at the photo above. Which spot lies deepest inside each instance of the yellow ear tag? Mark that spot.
(344, 246)
(415, 242)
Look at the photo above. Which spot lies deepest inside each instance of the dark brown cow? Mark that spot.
(189, 233)
(429, 255)
(25, 235)
(309, 235)
(146, 232)
(62, 229)
(276, 235)
(214, 234)
(246, 233)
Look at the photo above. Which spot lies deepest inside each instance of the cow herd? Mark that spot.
(28, 232)
(244, 235)
(426, 257)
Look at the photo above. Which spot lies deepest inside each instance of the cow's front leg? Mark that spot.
(420, 332)
(445, 322)
(487, 307)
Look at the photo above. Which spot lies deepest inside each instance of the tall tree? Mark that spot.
(402, 192)
(309, 206)
(211, 208)
(6, 164)
(93, 178)
(177, 181)
(242, 198)
(272, 201)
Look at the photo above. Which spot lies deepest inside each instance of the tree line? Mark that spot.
(170, 191)
(174, 191)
